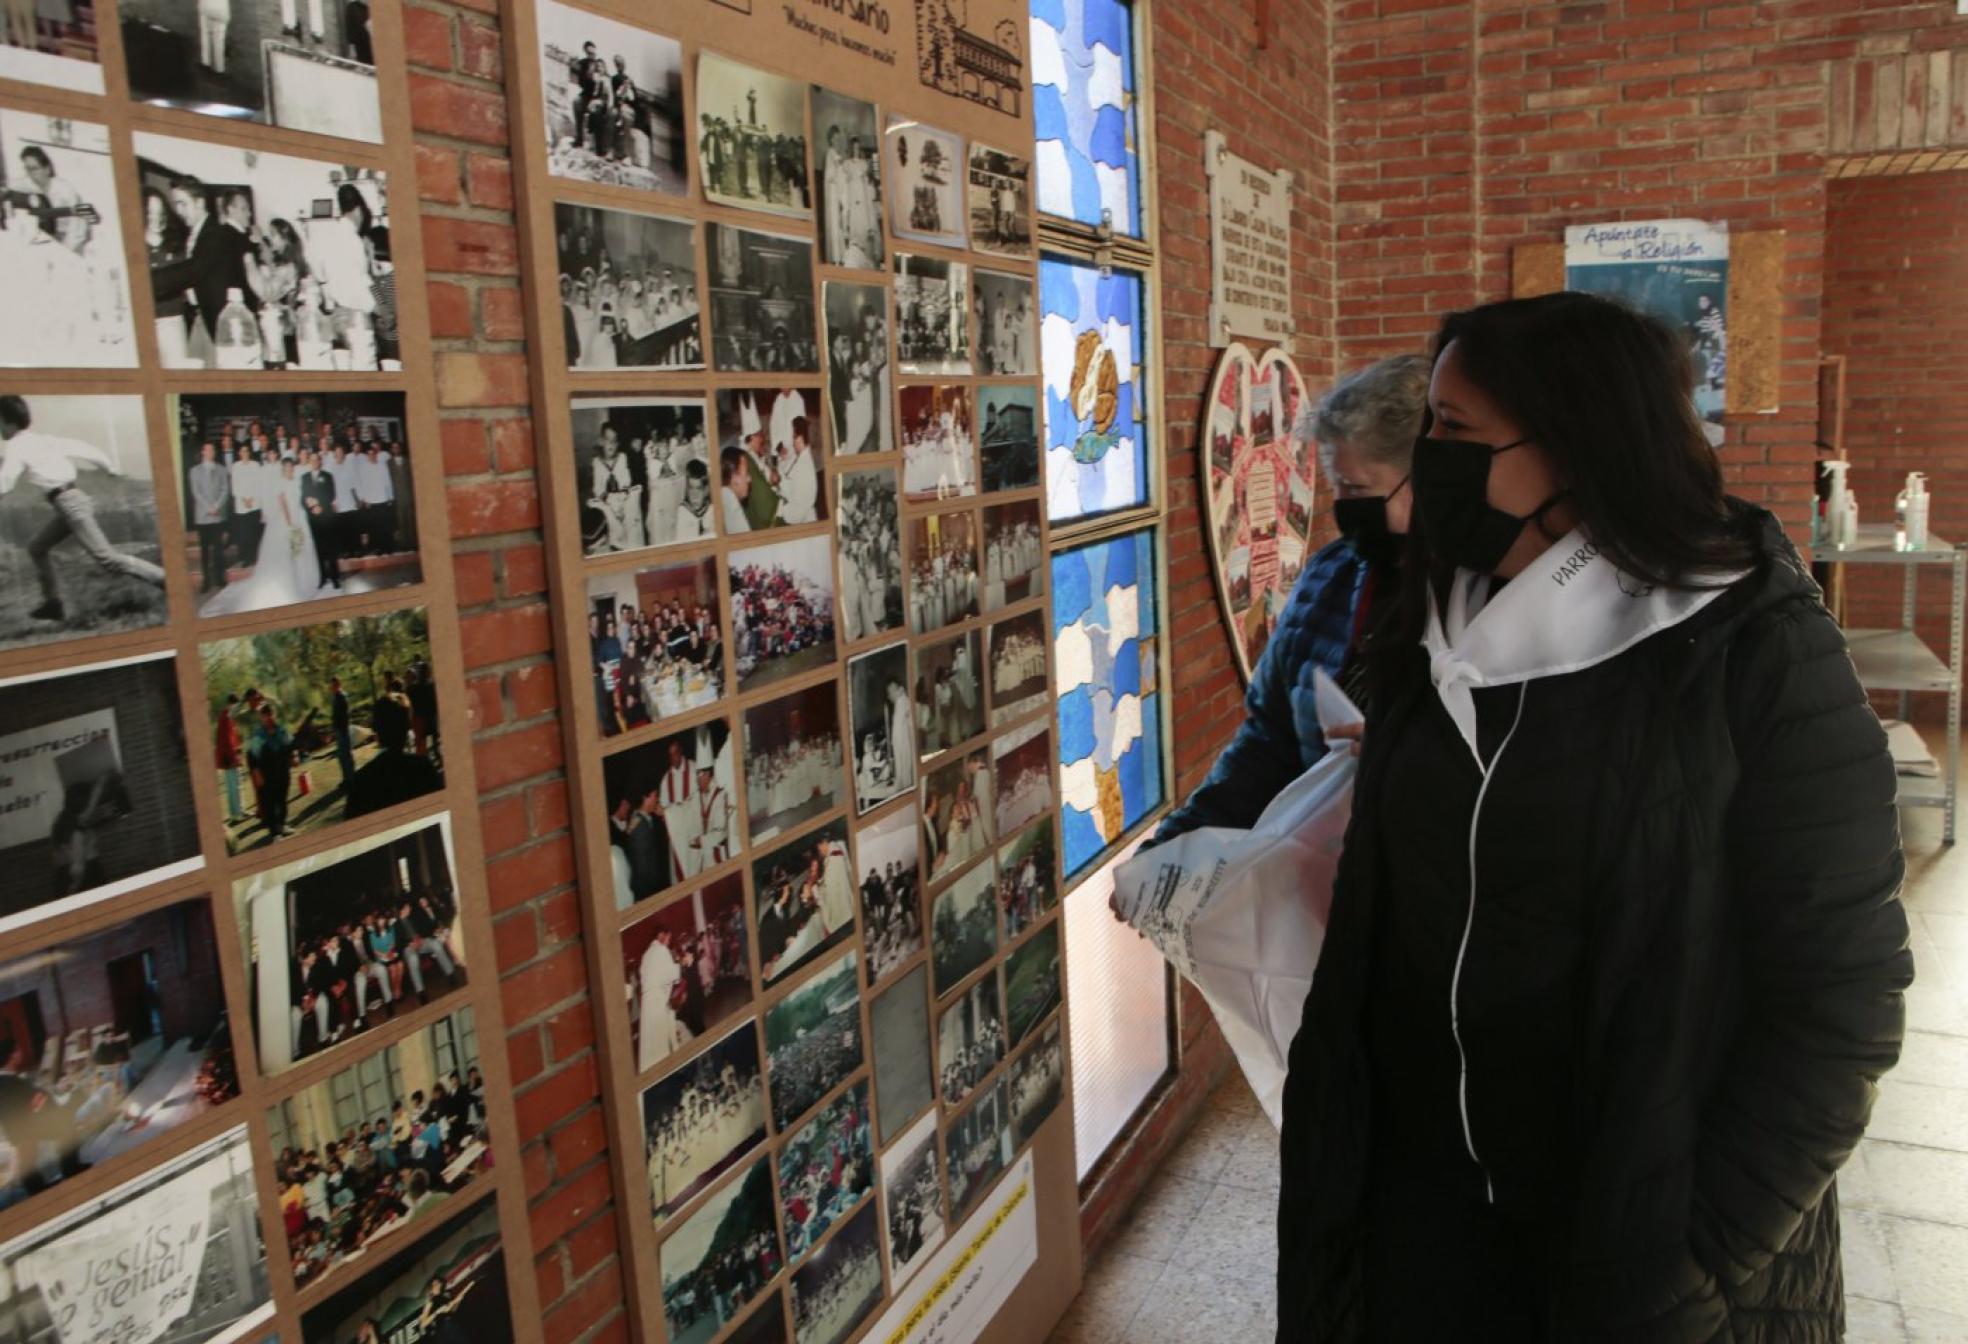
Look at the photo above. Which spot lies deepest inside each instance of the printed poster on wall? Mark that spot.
(1676, 269)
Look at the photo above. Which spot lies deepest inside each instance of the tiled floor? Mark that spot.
(1194, 1262)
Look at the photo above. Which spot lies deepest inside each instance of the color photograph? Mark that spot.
(1014, 554)
(782, 610)
(857, 367)
(769, 468)
(883, 729)
(891, 891)
(942, 570)
(1031, 976)
(848, 161)
(1022, 763)
(1027, 892)
(720, 1259)
(655, 644)
(970, 1040)
(825, 1169)
(1007, 341)
(751, 140)
(61, 246)
(979, 1144)
(446, 1289)
(898, 1020)
(840, 1287)
(1038, 1083)
(870, 554)
(912, 1202)
(805, 895)
(762, 317)
(687, 968)
(938, 444)
(813, 1039)
(645, 466)
(614, 101)
(1018, 666)
(672, 810)
(628, 290)
(949, 694)
(1009, 438)
(963, 927)
(792, 760)
(1000, 198)
(956, 806)
(701, 1120)
(932, 315)
(925, 169)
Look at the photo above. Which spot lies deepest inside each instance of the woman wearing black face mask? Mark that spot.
(1616, 955)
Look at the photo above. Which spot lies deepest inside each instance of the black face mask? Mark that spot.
(1362, 521)
(1452, 485)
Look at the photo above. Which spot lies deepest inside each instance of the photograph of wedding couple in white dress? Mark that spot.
(295, 497)
(701, 1120)
(316, 724)
(850, 189)
(883, 726)
(61, 247)
(688, 968)
(645, 464)
(805, 895)
(956, 812)
(857, 367)
(949, 694)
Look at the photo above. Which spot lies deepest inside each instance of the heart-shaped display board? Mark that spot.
(1257, 484)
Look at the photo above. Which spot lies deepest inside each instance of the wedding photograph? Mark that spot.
(782, 610)
(1007, 338)
(263, 261)
(813, 1040)
(793, 760)
(979, 1145)
(925, 183)
(292, 498)
(1027, 892)
(890, 855)
(770, 473)
(646, 465)
(840, 1287)
(108, 1041)
(1000, 197)
(1008, 440)
(970, 1040)
(932, 315)
(319, 724)
(98, 780)
(870, 554)
(942, 570)
(949, 695)
(1018, 648)
(1022, 764)
(448, 1288)
(898, 1021)
(1014, 554)
(61, 246)
(826, 1167)
(762, 318)
(751, 139)
(882, 726)
(614, 101)
(1037, 1084)
(956, 806)
(912, 1202)
(848, 186)
(52, 42)
(938, 447)
(702, 1119)
(655, 644)
(857, 367)
(672, 810)
(686, 969)
(628, 290)
(963, 927)
(805, 896)
(1031, 976)
(79, 550)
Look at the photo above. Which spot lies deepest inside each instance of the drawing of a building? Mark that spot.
(967, 64)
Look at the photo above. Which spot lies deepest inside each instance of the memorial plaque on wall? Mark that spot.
(1250, 247)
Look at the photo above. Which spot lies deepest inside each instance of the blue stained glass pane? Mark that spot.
(1083, 84)
(1096, 439)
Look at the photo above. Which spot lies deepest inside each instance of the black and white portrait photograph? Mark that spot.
(644, 464)
(782, 610)
(840, 1287)
(303, 65)
(1031, 976)
(847, 161)
(702, 1119)
(656, 644)
(1008, 437)
(614, 96)
(813, 1039)
(793, 760)
(898, 1020)
(857, 367)
(52, 42)
(925, 183)
(672, 810)
(762, 317)
(61, 246)
(882, 726)
(1014, 554)
(751, 138)
(826, 1167)
(720, 1259)
(1000, 196)
(446, 1288)
(1007, 337)
(805, 895)
(956, 807)
(1037, 1084)
(939, 449)
(345, 940)
(870, 554)
(687, 968)
(890, 858)
(1017, 655)
(292, 498)
(79, 553)
(769, 467)
(943, 580)
(912, 1201)
(979, 1145)
(628, 290)
(949, 694)
(1022, 760)
(963, 927)
(1027, 892)
(970, 1040)
(932, 315)
(96, 799)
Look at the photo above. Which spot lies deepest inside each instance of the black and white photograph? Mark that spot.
(782, 610)
(825, 1168)
(1008, 437)
(751, 138)
(932, 315)
(963, 927)
(52, 42)
(1022, 762)
(655, 644)
(762, 318)
(979, 1146)
(614, 101)
(1014, 554)
(1027, 892)
(95, 800)
(1017, 652)
(847, 159)
(1000, 197)
(840, 1287)
(870, 554)
(949, 694)
(645, 463)
(1037, 1084)
(1031, 976)
(265, 261)
(370, 1150)
(890, 858)
(672, 810)
(686, 968)
(1007, 337)
(813, 1039)
(448, 1288)
(898, 1020)
(345, 940)
(293, 498)
(970, 1040)
(769, 469)
(628, 290)
(108, 1041)
(882, 726)
(61, 246)
(793, 760)
(702, 1119)
(174, 1253)
(938, 444)
(943, 579)
(925, 169)
(858, 380)
(805, 896)
(79, 553)
(912, 1201)
(319, 724)
(956, 807)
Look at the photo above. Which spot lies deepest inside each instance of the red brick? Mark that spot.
(465, 449)
(577, 1142)
(530, 872)
(515, 939)
(554, 979)
(501, 314)
(450, 310)
(546, 806)
(438, 175)
(487, 708)
(502, 820)
(533, 690)
(570, 1031)
(472, 572)
(549, 1272)
(512, 444)
(486, 508)
(554, 1100)
(586, 1306)
(525, 1055)
(504, 635)
(526, 571)
(426, 38)
(521, 753)
(443, 107)
(592, 1243)
(470, 246)
(482, 380)
(479, 51)
(560, 917)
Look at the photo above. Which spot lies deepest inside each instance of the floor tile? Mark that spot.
(1869, 1322)
(1254, 1166)
(1911, 1182)
(1114, 1290)
(1925, 1326)
(1937, 1008)
(1198, 1307)
(1931, 1263)
(1230, 1241)
(1928, 1057)
(1205, 1151)
(1910, 1112)
(1160, 1217)
(1868, 1264)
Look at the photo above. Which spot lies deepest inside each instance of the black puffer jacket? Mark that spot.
(1745, 953)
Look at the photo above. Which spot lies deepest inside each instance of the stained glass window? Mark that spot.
(1090, 342)
(1104, 625)
(1083, 100)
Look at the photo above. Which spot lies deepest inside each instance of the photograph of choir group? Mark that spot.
(655, 644)
(686, 968)
(792, 760)
(847, 180)
(769, 450)
(1018, 666)
(643, 465)
(628, 290)
(805, 896)
(702, 1119)
(943, 586)
(882, 726)
(1022, 762)
(671, 810)
(1014, 554)
(61, 246)
(751, 138)
(857, 367)
(761, 302)
(870, 554)
(891, 891)
(614, 101)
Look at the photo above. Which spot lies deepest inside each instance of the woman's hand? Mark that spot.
(1349, 733)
